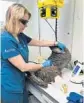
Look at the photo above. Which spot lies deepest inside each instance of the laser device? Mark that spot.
(78, 68)
(77, 73)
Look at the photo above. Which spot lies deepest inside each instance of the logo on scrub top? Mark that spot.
(9, 50)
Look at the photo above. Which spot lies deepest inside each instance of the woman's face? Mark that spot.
(23, 22)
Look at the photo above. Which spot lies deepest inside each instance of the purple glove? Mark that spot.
(47, 63)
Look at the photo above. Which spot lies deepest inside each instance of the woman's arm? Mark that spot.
(19, 62)
(43, 43)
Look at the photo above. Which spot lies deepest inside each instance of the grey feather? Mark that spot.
(47, 75)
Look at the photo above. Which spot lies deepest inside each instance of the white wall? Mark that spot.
(70, 29)
(3, 8)
(78, 35)
(64, 27)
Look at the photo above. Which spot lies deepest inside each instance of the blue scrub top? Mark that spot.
(12, 79)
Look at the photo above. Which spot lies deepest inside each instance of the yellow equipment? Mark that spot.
(49, 8)
(58, 3)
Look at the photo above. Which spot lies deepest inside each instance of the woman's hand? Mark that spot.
(60, 45)
(47, 63)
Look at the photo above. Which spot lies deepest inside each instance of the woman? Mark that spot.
(14, 55)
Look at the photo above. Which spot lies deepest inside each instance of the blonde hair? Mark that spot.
(14, 13)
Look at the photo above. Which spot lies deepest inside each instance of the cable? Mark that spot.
(55, 31)
(76, 82)
(50, 26)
